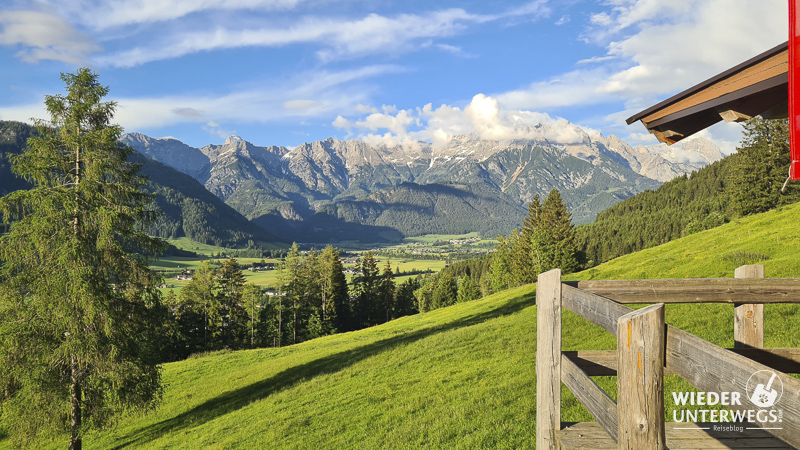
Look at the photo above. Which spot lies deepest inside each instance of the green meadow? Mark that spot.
(457, 377)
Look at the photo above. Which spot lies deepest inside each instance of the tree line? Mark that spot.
(747, 182)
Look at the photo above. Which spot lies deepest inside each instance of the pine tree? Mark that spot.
(468, 290)
(333, 290)
(366, 286)
(78, 303)
(228, 315)
(405, 302)
(385, 300)
(197, 299)
(763, 166)
(446, 291)
(252, 298)
(557, 236)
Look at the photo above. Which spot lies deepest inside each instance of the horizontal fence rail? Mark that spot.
(600, 363)
(649, 349)
(699, 290)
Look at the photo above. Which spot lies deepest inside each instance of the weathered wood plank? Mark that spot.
(640, 379)
(594, 308)
(733, 116)
(591, 435)
(591, 396)
(748, 318)
(548, 359)
(604, 362)
(701, 290)
(710, 368)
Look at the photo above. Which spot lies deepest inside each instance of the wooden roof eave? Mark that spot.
(767, 97)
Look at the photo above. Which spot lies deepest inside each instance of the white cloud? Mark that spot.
(322, 94)
(302, 105)
(662, 46)
(104, 14)
(338, 37)
(216, 129)
(44, 36)
(483, 117)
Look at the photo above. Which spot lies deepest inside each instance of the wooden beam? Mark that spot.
(597, 363)
(548, 359)
(660, 136)
(695, 290)
(748, 318)
(671, 134)
(591, 396)
(640, 379)
(733, 116)
(594, 308)
(710, 368)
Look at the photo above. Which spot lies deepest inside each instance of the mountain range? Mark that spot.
(333, 190)
(188, 209)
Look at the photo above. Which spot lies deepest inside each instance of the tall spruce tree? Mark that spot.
(333, 288)
(386, 291)
(229, 317)
(366, 286)
(763, 166)
(78, 303)
(197, 299)
(556, 235)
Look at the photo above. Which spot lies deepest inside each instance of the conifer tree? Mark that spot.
(763, 166)
(446, 291)
(385, 299)
(252, 298)
(468, 290)
(405, 302)
(230, 317)
(366, 285)
(557, 235)
(78, 303)
(196, 299)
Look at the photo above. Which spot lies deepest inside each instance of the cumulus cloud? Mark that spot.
(482, 118)
(658, 47)
(325, 91)
(214, 128)
(44, 36)
(338, 37)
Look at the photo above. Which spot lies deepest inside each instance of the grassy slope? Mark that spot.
(459, 377)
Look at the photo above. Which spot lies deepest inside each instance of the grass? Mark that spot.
(458, 377)
(430, 238)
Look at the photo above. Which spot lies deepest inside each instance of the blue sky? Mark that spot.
(283, 72)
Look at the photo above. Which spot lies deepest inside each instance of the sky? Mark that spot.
(284, 72)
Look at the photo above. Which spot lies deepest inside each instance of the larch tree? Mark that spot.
(196, 300)
(79, 306)
(229, 316)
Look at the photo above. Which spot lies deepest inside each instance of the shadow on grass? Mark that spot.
(232, 401)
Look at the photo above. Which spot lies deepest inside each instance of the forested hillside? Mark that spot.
(188, 208)
(746, 182)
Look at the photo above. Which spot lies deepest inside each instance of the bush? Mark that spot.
(743, 257)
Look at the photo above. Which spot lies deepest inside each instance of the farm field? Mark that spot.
(403, 266)
(457, 377)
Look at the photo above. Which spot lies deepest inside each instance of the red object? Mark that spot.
(794, 89)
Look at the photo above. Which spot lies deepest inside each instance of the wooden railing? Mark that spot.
(647, 349)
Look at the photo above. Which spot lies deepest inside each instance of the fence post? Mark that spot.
(748, 319)
(548, 359)
(640, 378)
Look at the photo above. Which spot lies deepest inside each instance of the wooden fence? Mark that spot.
(647, 349)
